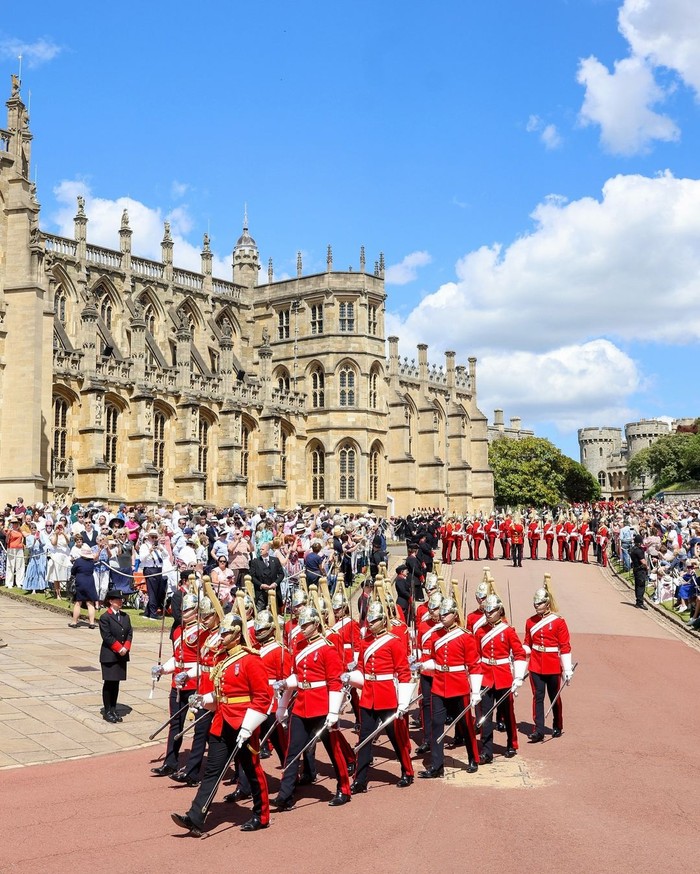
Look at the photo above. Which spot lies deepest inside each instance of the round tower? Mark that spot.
(597, 446)
(246, 258)
(642, 434)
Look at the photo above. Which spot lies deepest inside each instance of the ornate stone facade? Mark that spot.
(128, 379)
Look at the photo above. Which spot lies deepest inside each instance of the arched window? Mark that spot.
(283, 325)
(601, 477)
(213, 361)
(346, 469)
(203, 452)
(318, 394)
(283, 454)
(374, 474)
(410, 431)
(149, 315)
(346, 384)
(318, 474)
(106, 311)
(59, 306)
(159, 449)
(111, 445)
(373, 392)
(245, 444)
(283, 380)
(60, 435)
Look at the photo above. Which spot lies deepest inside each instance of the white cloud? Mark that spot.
(34, 54)
(590, 274)
(104, 220)
(621, 103)
(407, 270)
(549, 135)
(178, 189)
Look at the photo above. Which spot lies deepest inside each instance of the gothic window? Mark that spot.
(601, 477)
(374, 475)
(601, 451)
(347, 317)
(346, 470)
(283, 455)
(283, 325)
(245, 444)
(159, 449)
(373, 395)
(111, 446)
(317, 318)
(318, 470)
(106, 311)
(283, 380)
(60, 305)
(203, 452)
(372, 320)
(317, 389)
(60, 435)
(149, 315)
(346, 384)
(214, 361)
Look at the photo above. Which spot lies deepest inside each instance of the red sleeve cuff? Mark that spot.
(116, 646)
(127, 645)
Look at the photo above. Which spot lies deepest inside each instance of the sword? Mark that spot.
(191, 725)
(456, 719)
(495, 706)
(160, 655)
(383, 725)
(236, 750)
(561, 689)
(167, 722)
(276, 722)
(313, 740)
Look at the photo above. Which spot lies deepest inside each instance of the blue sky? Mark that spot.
(528, 167)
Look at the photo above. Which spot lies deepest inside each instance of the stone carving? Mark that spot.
(194, 422)
(81, 205)
(265, 336)
(125, 219)
(98, 410)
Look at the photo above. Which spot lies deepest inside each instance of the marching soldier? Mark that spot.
(548, 534)
(562, 537)
(452, 656)
(478, 535)
(316, 679)
(491, 531)
(586, 538)
(350, 635)
(477, 618)
(291, 628)
(383, 663)
(548, 646)
(458, 535)
(426, 629)
(431, 586)
(534, 532)
(498, 642)
(241, 698)
(602, 536)
(517, 540)
(504, 535)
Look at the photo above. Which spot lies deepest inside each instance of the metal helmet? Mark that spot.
(264, 621)
(375, 612)
(309, 614)
(493, 602)
(431, 582)
(206, 608)
(322, 606)
(482, 591)
(299, 599)
(339, 601)
(189, 602)
(541, 596)
(434, 601)
(448, 605)
(230, 622)
(248, 602)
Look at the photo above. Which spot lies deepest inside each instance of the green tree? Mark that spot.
(668, 460)
(579, 484)
(530, 471)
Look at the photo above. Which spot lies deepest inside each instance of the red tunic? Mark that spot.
(496, 644)
(400, 629)
(186, 644)
(382, 661)
(545, 638)
(475, 620)
(456, 656)
(318, 667)
(240, 682)
(350, 636)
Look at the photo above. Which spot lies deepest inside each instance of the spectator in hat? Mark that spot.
(117, 634)
(83, 572)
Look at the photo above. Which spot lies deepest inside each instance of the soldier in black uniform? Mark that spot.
(116, 631)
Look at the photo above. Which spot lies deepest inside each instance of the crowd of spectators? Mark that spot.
(81, 551)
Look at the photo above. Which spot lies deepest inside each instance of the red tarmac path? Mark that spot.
(616, 793)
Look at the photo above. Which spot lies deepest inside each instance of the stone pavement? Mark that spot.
(51, 690)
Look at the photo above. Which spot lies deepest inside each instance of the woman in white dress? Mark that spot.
(58, 563)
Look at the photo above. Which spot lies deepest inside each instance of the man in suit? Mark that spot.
(267, 574)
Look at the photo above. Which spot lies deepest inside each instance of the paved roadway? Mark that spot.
(616, 793)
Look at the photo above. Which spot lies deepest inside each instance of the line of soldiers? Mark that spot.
(246, 680)
(574, 538)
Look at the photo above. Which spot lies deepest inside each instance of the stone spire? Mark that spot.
(329, 258)
(299, 264)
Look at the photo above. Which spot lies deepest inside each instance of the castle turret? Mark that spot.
(246, 258)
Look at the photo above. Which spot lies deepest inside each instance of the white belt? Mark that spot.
(271, 682)
(204, 669)
(315, 685)
(495, 661)
(545, 648)
(187, 665)
(450, 669)
(379, 676)
(347, 646)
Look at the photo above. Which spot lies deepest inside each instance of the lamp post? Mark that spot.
(643, 480)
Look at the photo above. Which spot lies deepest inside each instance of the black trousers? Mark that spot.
(276, 742)
(110, 693)
(177, 700)
(199, 742)
(640, 584)
(517, 552)
(550, 684)
(370, 720)
(157, 587)
(220, 749)
(442, 708)
(301, 730)
(426, 689)
(488, 699)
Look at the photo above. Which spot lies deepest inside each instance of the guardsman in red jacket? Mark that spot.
(477, 617)
(548, 646)
(491, 531)
(571, 539)
(602, 536)
(549, 534)
(534, 532)
(478, 535)
(187, 639)
(562, 539)
(241, 698)
(350, 636)
(498, 642)
(387, 688)
(517, 541)
(292, 629)
(430, 623)
(586, 539)
(446, 534)
(452, 656)
(316, 679)
(504, 535)
(469, 536)
(458, 535)
(431, 586)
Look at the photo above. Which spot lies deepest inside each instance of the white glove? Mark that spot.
(352, 665)
(243, 735)
(345, 678)
(181, 678)
(568, 674)
(414, 666)
(279, 686)
(196, 702)
(517, 683)
(566, 667)
(474, 699)
(156, 671)
(281, 715)
(332, 720)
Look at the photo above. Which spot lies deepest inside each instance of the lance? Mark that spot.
(561, 689)
(457, 718)
(160, 655)
(495, 706)
(167, 722)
